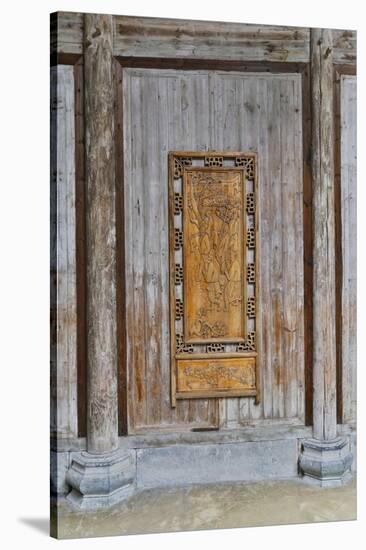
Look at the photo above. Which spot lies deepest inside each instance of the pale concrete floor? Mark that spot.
(213, 507)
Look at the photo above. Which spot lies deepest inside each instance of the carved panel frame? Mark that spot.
(215, 364)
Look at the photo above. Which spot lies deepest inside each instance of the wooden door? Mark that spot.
(213, 110)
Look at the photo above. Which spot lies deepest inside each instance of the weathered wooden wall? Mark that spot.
(349, 245)
(177, 110)
(63, 255)
(165, 110)
(155, 37)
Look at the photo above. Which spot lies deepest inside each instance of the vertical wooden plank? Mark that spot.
(291, 313)
(63, 255)
(308, 245)
(276, 273)
(80, 244)
(120, 252)
(298, 380)
(348, 91)
(267, 137)
(135, 210)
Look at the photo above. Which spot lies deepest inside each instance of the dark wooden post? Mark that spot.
(325, 458)
(104, 474)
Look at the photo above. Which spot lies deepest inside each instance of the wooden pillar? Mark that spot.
(102, 405)
(324, 323)
(326, 459)
(104, 474)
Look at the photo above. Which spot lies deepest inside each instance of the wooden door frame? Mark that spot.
(216, 65)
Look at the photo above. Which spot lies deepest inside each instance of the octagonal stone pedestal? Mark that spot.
(100, 480)
(326, 463)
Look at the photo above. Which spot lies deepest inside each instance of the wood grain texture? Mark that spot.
(67, 32)
(102, 402)
(154, 37)
(120, 252)
(200, 110)
(348, 97)
(63, 256)
(344, 46)
(324, 342)
(80, 206)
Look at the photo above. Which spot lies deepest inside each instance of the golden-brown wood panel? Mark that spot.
(216, 375)
(213, 255)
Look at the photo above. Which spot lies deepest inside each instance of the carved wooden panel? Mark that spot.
(213, 274)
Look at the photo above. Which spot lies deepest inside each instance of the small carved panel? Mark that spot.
(179, 164)
(181, 347)
(251, 307)
(214, 161)
(216, 374)
(249, 344)
(178, 274)
(178, 309)
(251, 273)
(250, 203)
(178, 239)
(248, 163)
(251, 238)
(213, 348)
(178, 203)
(213, 220)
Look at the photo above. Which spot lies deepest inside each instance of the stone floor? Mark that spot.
(213, 507)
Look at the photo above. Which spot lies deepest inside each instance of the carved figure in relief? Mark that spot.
(214, 208)
(215, 373)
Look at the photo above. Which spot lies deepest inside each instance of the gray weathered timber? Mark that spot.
(349, 244)
(344, 47)
(324, 343)
(154, 37)
(67, 35)
(63, 255)
(200, 110)
(102, 430)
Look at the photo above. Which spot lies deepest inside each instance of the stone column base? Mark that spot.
(326, 463)
(99, 481)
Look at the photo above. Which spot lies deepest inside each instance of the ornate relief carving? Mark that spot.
(251, 307)
(212, 228)
(178, 239)
(213, 257)
(179, 164)
(178, 274)
(213, 348)
(178, 309)
(249, 344)
(251, 273)
(251, 238)
(214, 161)
(216, 374)
(181, 347)
(250, 203)
(249, 165)
(178, 203)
